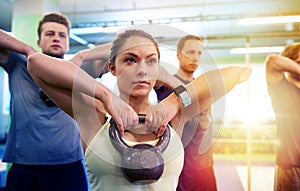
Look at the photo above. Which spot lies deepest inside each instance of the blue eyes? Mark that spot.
(151, 61)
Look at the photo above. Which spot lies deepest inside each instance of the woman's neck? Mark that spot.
(140, 107)
(140, 104)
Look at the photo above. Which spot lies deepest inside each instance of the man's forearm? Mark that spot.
(99, 52)
(10, 43)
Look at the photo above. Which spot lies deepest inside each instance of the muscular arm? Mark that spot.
(216, 83)
(9, 43)
(204, 90)
(277, 65)
(64, 81)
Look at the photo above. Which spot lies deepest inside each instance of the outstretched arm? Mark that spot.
(204, 90)
(64, 81)
(277, 65)
(214, 84)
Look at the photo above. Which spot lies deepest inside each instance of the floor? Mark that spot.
(233, 176)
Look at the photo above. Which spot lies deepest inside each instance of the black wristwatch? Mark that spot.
(181, 92)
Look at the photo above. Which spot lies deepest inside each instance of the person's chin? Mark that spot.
(192, 70)
(141, 93)
(193, 67)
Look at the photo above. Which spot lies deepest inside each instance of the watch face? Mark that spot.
(184, 96)
(186, 100)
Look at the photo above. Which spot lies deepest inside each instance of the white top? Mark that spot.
(103, 165)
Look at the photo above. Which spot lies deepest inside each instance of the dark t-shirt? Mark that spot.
(197, 173)
(196, 139)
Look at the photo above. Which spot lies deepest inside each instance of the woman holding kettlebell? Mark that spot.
(134, 60)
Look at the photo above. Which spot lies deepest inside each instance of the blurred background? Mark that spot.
(235, 32)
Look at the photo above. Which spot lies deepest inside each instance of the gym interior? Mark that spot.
(234, 32)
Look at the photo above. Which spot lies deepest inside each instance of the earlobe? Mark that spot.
(38, 43)
(112, 68)
(178, 55)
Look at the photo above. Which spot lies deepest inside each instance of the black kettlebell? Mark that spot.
(141, 163)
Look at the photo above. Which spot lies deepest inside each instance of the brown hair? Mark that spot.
(56, 18)
(182, 40)
(122, 37)
(291, 51)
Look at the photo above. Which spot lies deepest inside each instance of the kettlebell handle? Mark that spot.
(142, 118)
(121, 146)
(141, 128)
